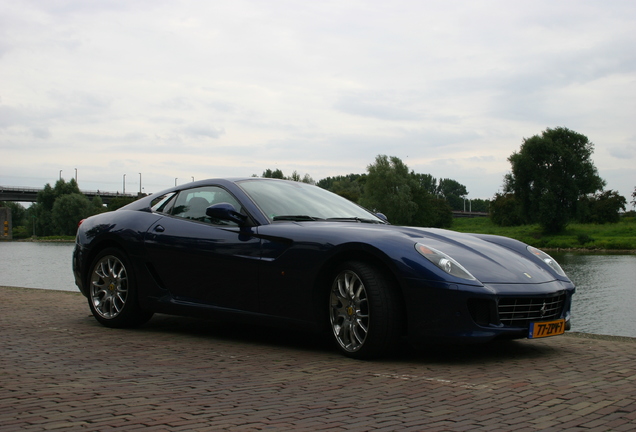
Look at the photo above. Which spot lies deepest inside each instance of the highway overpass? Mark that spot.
(26, 194)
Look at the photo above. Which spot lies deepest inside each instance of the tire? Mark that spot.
(364, 313)
(112, 291)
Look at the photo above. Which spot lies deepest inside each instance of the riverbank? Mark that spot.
(617, 237)
(62, 370)
(62, 239)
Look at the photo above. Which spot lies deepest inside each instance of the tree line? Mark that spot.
(58, 210)
(404, 196)
(552, 182)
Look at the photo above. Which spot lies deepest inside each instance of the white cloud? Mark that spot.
(198, 89)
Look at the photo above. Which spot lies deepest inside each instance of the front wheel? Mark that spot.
(364, 312)
(112, 293)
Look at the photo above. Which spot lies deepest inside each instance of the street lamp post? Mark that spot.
(139, 183)
(75, 175)
(124, 192)
(60, 174)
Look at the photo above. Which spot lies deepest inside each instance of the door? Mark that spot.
(202, 260)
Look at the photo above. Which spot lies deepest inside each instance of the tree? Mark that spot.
(431, 210)
(18, 212)
(453, 191)
(602, 207)
(388, 190)
(549, 174)
(426, 182)
(119, 202)
(268, 173)
(350, 186)
(402, 196)
(504, 210)
(68, 210)
(479, 205)
(634, 197)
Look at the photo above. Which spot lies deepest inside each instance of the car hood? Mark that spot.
(490, 261)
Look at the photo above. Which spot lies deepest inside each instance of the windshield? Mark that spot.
(287, 200)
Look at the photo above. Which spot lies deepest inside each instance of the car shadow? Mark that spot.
(302, 340)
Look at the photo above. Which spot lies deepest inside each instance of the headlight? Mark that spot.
(444, 262)
(547, 259)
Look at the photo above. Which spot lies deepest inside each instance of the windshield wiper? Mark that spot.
(297, 218)
(355, 219)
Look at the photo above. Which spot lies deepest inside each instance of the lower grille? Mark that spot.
(521, 311)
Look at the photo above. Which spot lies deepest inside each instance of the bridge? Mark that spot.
(25, 194)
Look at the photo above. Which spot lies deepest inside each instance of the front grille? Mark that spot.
(521, 311)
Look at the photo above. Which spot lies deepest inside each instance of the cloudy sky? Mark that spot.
(199, 89)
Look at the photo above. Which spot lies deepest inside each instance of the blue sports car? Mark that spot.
(293, 254)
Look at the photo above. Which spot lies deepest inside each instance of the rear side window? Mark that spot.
(163, 203)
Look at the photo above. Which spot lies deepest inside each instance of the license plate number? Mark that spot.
(546, 328)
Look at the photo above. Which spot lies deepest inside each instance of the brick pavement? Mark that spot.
(60, 370)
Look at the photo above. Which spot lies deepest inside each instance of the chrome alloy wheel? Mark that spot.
(109, 287)
(349, 311)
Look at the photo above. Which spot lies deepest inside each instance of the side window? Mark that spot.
(163, 203)
(192, 203)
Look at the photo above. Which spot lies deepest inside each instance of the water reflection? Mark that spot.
(605, 299)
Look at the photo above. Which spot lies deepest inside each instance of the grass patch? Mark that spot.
(616, 236)
(50, 239)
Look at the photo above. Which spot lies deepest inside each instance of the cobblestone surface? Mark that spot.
(61, 370)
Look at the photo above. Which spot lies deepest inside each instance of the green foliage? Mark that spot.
(18, 214)
(268, 173)
(68, 210)
(350, 186)
(479, 205)
(549, 174)
(426, 182)
(504, 210)
(601, 208)
(20, 232)
(58, 210)
(431, 210)
(388, 189)
(98, 205)
(119, 202)
(583, 239)
(454, 193)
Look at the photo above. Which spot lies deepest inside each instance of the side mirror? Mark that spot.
(226, 211)
(382, 216)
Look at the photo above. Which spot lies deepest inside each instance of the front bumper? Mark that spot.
(440, 312)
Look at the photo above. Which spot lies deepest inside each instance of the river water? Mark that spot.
(604, 303)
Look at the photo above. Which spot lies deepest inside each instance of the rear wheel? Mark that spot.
(364, 312)
(112, 292)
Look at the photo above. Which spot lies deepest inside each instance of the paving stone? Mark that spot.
(61, 370)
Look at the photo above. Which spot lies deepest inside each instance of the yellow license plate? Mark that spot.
(546, 328)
